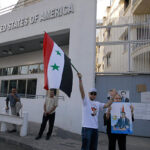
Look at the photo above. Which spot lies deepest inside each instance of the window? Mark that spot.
(4, 88)
(21, 87)
(33, 69)
(108, 29)
(15, 70)
(108, 32)
(24, 70)
(125, 38)
(12, 84)
(1, 72)
(41, 68)
(108, 56)
(10, 71)
(126, 4)
(143, 33)
(31, 88)
(4, 71)
(25, 88)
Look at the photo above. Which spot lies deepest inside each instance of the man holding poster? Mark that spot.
(118, 123)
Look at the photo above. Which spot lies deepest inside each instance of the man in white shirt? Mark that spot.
(51, 102)
(90, 111)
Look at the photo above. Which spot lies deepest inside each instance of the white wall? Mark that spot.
(82, 25)
(35, 113)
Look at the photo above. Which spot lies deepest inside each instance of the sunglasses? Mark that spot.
(93, 93)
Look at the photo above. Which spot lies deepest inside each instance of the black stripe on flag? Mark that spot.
(67, 77)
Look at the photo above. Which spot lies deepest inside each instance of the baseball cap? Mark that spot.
(93, 90)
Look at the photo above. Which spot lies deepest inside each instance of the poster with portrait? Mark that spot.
(121, 121)
(124, 95)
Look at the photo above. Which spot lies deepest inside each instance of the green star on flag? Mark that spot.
(55, 67)
(58, 53)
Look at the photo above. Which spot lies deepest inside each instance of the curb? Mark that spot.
(18, 144)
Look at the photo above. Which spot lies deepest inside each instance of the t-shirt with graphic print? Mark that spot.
(90, 112)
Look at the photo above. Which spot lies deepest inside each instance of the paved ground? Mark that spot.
(61, 140)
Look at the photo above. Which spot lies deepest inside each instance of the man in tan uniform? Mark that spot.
(51, 102)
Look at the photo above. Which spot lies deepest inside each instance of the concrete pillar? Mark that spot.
(24, 127)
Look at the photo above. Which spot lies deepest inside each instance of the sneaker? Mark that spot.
(47, 137)
(38, 137)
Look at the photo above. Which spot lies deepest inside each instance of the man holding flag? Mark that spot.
(90, 112)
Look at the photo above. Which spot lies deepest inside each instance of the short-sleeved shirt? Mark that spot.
(50, 103)
(12, 100)
(90, 112)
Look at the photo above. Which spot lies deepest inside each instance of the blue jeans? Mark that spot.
(89, 139)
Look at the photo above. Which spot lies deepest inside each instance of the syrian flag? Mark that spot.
(57, 67)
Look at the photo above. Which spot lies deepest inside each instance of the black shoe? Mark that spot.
(11, 131)
(18, 114)
(38, 137)
(47, 137)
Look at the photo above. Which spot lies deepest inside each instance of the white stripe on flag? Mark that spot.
(55, 76)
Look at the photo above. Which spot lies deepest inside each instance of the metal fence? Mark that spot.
(30, 96)
(123, 45)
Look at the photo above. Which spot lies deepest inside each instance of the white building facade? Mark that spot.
(124, 38)
(71, 24)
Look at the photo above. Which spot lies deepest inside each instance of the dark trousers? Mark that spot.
(51, 119)
(89, 139)
(121, 138)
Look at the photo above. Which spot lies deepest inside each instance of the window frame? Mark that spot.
(17, 80)
(39, 71)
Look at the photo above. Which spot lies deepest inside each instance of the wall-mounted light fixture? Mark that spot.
(21, 48)
(10, 52)
(4, 52)
(7, 52)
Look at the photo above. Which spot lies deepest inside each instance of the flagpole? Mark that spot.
(74, 68)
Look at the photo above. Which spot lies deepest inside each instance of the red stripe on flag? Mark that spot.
(48, 45)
